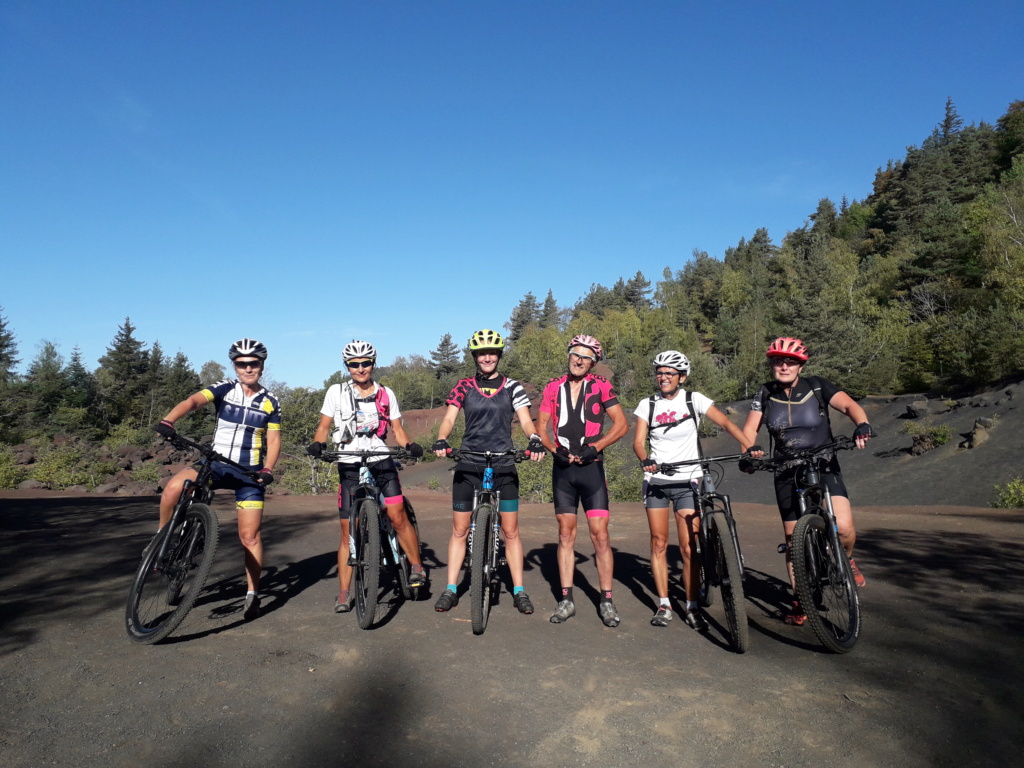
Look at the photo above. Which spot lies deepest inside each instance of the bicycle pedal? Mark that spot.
(352, 562)
(502, 561)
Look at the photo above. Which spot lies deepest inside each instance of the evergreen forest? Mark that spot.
(918, 287)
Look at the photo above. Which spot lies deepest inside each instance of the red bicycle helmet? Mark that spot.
(582, 340)
(785, 346)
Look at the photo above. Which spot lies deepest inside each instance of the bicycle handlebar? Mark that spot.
(516, 455)
(182, 443)
(395, 453)
(669, 468)
(802, 458)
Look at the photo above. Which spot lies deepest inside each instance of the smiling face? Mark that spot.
(486, 361)
(248, 370)
(360, 369)
(669, 380)
(581, 360)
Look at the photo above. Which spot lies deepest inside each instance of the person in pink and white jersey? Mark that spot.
(575, 406)
(669, 421)
(361, 411)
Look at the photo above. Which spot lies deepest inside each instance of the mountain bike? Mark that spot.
(177, 562)
(372, 541)
(485, 544)
(718, 547)
(824, 579)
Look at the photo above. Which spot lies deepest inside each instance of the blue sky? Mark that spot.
(311, 172)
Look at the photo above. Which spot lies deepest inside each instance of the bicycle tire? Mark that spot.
(824, 584)
(408, 592)
(480, 568)
(706, 569)
(161, 596)
(730, 572)
(368, 556)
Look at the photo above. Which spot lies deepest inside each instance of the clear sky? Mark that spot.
(310, 172)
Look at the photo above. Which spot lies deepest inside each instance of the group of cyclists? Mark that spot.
(359, 413)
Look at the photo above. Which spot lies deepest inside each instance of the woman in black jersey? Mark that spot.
(794, 410)
(489, 401)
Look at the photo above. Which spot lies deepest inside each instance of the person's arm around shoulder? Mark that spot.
(849, 407)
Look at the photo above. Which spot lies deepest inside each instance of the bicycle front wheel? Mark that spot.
(706, 563)
(480, 568)
(367, 571)
(824, 583)
(730, 574)
(164, 592)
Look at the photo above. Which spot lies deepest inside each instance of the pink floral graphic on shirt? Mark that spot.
(666, 418)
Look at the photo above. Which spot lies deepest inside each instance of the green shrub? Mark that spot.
(305, 475)
(126, 433)
(433, 483)
(149, 474)
(1011, 495)
(59, 468)
(10, 473)
(940, 434)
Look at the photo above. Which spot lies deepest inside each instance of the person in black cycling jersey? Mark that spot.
(248, 432)
(575, 405)
(489, 401)
(795, 411)
(361, 411)
(670, 423)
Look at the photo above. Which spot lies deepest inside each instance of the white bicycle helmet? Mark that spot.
(672, 359)
(247, 348)
(357, 349)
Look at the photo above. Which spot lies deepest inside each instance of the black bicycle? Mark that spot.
(824, 579)
(177, 562)
(718, 547)
(373, 544)
(485, 543)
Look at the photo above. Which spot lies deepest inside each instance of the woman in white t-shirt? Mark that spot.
(361, 411)
(673, 437)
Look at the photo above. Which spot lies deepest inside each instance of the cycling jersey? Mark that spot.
(799, 420)
(673, 435)
(243, 421)
(575, 426)
(370, 418)
(489, 406)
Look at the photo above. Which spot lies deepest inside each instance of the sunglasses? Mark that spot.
(578, 356)
(665, 374)
(779, 362)
(360, 364)
(243, 364)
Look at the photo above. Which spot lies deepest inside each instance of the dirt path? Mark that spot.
(936, 679)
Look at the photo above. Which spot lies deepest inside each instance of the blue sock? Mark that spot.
(516, 590)
(452, 588)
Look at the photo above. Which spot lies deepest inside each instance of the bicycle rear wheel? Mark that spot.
(480, 568)
(824, 584)
(730, 574)
(368, 554)
(408, 592)
(162, 594)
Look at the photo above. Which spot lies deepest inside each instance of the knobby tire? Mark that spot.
(480, 568)
(824, 584)
(730, 574)
(161, 596)
(368, 555)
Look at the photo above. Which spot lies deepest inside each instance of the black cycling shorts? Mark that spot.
(785, 488)
(580, 484)
(468, 480)
(385, 475)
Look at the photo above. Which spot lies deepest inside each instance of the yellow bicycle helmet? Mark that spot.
(486, 339)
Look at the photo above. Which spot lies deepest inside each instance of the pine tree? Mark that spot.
(122, 377)
(445, 358)
(549, 315)
(526, 313)
(8, 351)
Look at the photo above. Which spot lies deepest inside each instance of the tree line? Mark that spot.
(920, 286)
